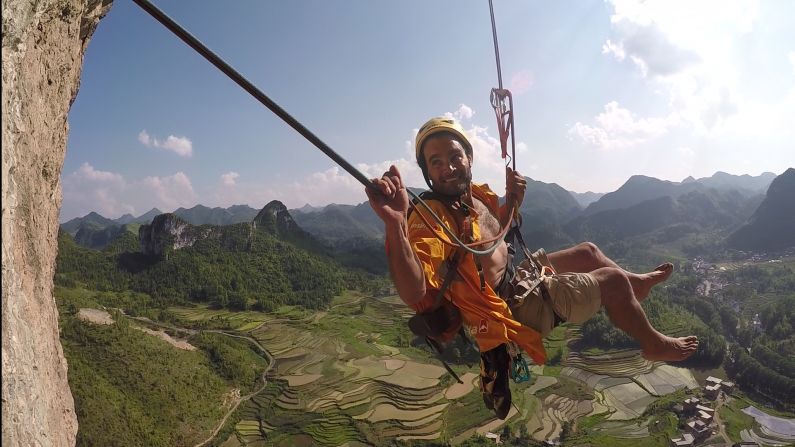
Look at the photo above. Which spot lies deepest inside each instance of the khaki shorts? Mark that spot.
(575, 297)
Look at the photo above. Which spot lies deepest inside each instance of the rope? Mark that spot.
(496, 47)
(498, 100)
(227, 69)
(505, 127)
(458, 242)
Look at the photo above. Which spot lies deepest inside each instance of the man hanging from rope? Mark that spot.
(499, 305)
(452, 285)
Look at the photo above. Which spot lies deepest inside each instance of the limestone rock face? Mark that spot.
(275, 219)
(43, 46)
(169, 232)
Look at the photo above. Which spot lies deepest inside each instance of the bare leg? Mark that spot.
(625, 312)
(587, 257)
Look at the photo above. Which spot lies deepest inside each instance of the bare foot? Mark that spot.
(669, 349)
(643, 283)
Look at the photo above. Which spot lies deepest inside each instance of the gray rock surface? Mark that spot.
(43, 46)
(169, 232)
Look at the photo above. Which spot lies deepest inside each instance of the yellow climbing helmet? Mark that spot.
(436, 125)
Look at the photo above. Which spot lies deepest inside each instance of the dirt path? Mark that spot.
(242, 399)
(721, 428)
(247, 396)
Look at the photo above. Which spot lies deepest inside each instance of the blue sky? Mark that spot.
(602, 90)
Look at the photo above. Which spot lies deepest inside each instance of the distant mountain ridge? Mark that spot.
(640, 188)
(91, 220)
(552, 216)
(201, 215)
(263, 263)
(722, 180)
(336, 223)
(586, 198)
(702, 209)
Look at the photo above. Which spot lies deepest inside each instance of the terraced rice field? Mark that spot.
(751, 306)
(546, 425)
(342, 377)
(628, 382)
(772, 430)
(341, 373)
(240, 321)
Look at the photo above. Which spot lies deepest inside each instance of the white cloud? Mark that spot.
(521, 82)
(144, 138)
(179, 145)
(111, 195)
(463, 113)
(617, 128)
(791, 57)
(229, 178)
(616, 49)
(335, 185)
(687, 50)
(87, 172)
(650, 50)
(170, 192)
(88, 189)
(686, 151)
(686, 20)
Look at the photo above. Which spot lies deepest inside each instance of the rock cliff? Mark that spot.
(275, 219)
(43, 46)
(772, 226)
(168, 232)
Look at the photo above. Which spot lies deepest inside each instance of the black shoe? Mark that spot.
(495, 367)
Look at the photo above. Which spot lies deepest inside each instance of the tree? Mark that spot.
(237, 301)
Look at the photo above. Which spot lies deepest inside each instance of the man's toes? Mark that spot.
(664, 267)
(662, 272)
(691, 343)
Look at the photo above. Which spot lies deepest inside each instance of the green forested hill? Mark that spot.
(696, 211)
(234, 267)
(200, 215)
(92, 221)
(134, 389)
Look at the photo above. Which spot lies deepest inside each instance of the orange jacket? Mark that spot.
(486, 315)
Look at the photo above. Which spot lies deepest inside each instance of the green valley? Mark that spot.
(261, 333)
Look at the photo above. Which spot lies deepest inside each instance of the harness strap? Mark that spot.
(452, 271)
(437, 350)
(479, 265)
(539, 271)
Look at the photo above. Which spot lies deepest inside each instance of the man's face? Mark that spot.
(449, 167)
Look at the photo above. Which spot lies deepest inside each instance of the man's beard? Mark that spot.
(454, 189)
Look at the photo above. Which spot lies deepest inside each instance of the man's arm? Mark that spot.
(404, 265)
(390, 202)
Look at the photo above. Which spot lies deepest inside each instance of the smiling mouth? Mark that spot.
(454, 179)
